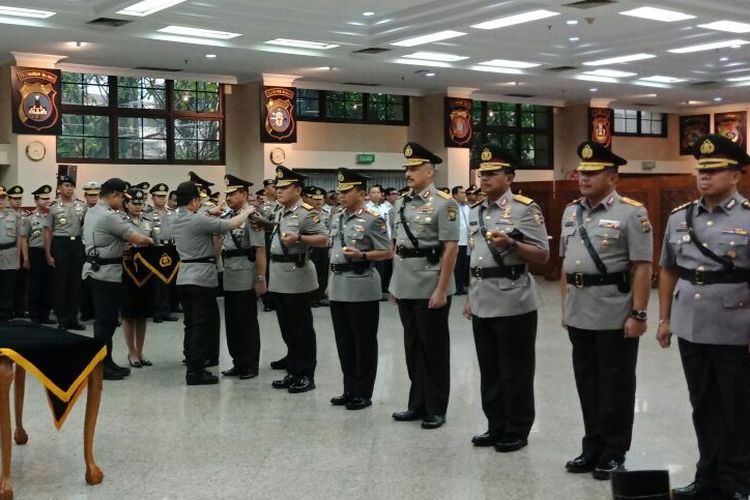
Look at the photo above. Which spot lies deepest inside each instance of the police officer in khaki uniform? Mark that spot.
(91, 196)
(62, 241)
(40, 273)
(315, 197)
(267, 210)
(292, 278)
(606, 244)
(426, 230)
(10, 244)
(15, 198)
(161, 217)
(705, 301)
(244, 261)
(506, 232)
(358, 238)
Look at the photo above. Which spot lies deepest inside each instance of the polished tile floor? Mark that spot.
(158, 439)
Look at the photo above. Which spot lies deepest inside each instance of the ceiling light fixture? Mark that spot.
(301, 44)
(592, 78)
(505, 63)
(708, 46)
(432, 37)
(696, 103)
(619, 59)
(717, 99)
(571, 22)
(657, 85)
(573, 39)
(657, 14)
(420, 62)
(148, 7)
(493, 69)
(723, 59)
(435, 56)
(199, 32)
(663, 79)
(525, 17)
(594, 89)
(21, 12)
(368, 13)
(210, 56)
(728, 26)
(382, 21)
(739, 79)
(611, 73)
(430, 74)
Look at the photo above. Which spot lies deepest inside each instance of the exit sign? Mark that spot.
(365, 158)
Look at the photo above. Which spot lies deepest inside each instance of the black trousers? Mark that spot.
(7, 293)
(267, 297)
(40, 277)
(294, 313)
(68, 255)
(162, 298)
(107, 297)
(19, 300)
(718, 379)
(427, 347)
(385, 268)
(201, 325)
(604, 366)
(461, 271)
(87, 302)
(243, 331)
(505, 350)
(355, 326)
(319, 257)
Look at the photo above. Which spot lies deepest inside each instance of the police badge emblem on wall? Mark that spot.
(600, 126)
(278, 115)
(36, 101)
(458, 128)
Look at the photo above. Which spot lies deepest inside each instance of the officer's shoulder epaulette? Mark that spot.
(681, 207)
(307, 206)
(210, 204)
(631, 202)
(574, 202)
(372, 212)
(476, 204)
(443, 195)
(523, 199)
(746, 204)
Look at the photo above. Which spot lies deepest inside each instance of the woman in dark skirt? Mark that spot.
(137, 304)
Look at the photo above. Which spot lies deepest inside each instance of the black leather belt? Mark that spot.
(510, 272)
(408, 253)
(240, 252)
(69, 238)
(299, 258)
(358, 267)
(702, 277)
(201, 260)
(103, 262)
(6, 246)
(580, 280)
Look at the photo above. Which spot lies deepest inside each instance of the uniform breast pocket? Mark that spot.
(737, 300)
(733, 245)
(568, 232)
(604, 238)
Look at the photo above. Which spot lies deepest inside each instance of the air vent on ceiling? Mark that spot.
(156, 68)
(520, 95)
(703, 84)
(109, 22)
(559, 69)
(589, 4)
(371, 50)
(359, 84)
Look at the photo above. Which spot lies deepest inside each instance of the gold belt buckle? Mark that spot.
(699, 276)
(578, 280)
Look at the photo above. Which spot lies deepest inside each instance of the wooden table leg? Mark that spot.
(19, 389)
(6, 379)
(94, 474)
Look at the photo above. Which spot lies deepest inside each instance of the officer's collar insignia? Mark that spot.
(359, 212)
(503, 202)
(587, 153)
(707, 147)
(408, 152)
(731, 204)
(610, 200)
(486, 154)
(341, 177)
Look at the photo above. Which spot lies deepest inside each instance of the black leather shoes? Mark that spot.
(738, 496)
(509, 444)
(696, 491)
(157, 319)
(283, 383)
(485, 439)
(239, 373)
(202, 377)
(301, 384)
(340, 400)
(358, 404)
(211, 362)
(110, 373)
(170, 318)
(603, 469)
(581, 464)
(279, 364)
(432, 421)
(407, 416)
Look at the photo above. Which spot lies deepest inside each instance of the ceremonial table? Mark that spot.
(64, 363)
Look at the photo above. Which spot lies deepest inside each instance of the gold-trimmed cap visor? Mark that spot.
(594, 166)
(716, 163)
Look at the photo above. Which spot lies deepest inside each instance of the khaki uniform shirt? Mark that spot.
(364, 230)
(161, 221)
(34, 228)
(432, 217)
(620, 232)
(497, 297)
(107, 231)
(66, 218)
(718, 313)
(239, 272)
(10, 230)
(194, 239)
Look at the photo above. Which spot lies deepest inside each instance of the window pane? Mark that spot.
(344, 105)
(197, 97)
(197, 140)
(85, 89)
(84, 136)
(142, 138)
(141, 93)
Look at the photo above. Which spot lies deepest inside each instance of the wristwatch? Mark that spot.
(260, 278)
(640, 315)
(364, 254)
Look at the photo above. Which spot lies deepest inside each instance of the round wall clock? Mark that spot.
(36, 151)
(277, 156)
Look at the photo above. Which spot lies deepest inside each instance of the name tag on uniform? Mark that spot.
(735, 230)
(681, 227)
(569, 223)
(609, 224)
(426, 209)
(473, 223)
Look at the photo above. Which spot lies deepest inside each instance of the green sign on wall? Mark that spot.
(365, 158)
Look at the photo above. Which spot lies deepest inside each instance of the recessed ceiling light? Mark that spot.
(573, 39)
(723, 59)
(505, 63)
(430, 74)
(592, 78)
(663, 79)
(594, 89)
(148, 7)
(525, 17)
(368, 13)
(729, 26)
(696, 103)
(199, 33)
(493, 69)
(21, 12)
(435, 56)
(76, 45)
(612, 73)
(739, 79)
(657, 14)
(211, 56)
(301, 44)
(657, 85)
(420, 62)
(571, 22)
(619, 59)
(432, 37)
(708, 46)
(382, 21)
(717, 99)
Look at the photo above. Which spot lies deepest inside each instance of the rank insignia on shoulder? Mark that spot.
(306, 206)
(443, 195)
(538, 217)
(631, 201)
(574, 202)
(374, 212)
(452, 211)
(683, 207)
(382, 227)
(523, 199)
(645, 225)
(746, 204)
